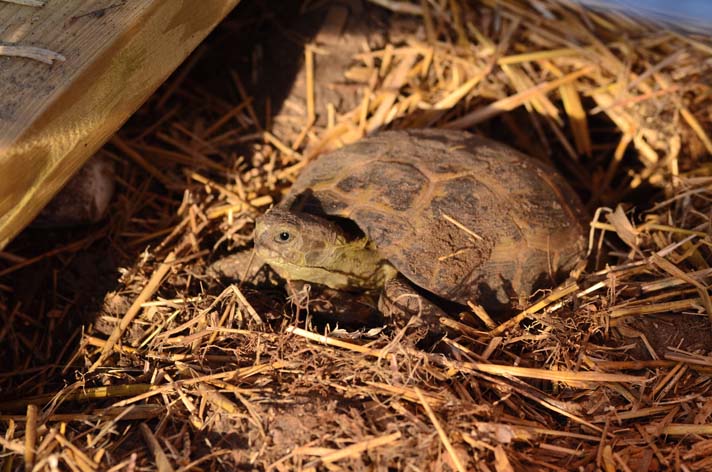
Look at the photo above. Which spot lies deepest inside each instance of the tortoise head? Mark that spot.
(294, 238)
(302, 246)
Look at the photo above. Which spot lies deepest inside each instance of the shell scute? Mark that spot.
(392, 185)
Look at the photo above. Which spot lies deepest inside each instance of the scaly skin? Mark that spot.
(300, 246)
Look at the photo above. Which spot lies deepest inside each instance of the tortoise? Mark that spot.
(443, 212)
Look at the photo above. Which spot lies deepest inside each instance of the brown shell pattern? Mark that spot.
(459, 215)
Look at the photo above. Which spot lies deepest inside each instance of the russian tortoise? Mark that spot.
(463, 217)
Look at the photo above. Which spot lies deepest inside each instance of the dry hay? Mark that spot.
(179, 372)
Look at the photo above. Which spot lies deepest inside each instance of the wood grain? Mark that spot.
(53, 117)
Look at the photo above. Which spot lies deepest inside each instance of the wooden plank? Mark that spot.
(53, 117)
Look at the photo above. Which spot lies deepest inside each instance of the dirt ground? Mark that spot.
(217, 367)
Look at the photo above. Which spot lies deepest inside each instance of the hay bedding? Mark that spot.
(122, 351)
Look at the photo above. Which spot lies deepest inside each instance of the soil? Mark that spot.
(228, 361)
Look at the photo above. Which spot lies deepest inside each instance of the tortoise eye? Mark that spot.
(283, 237)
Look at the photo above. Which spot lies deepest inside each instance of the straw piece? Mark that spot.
(697, 128)
(30, 436)
(393, 82)
(31, 52)
(558, 293)
(539, 102)
(82, 395)
(459, 93)
(69, 248)
(162, 462)
(429, 26)
(441, 432)
(331, 341)
(29, 3)
(571, 377)
(138, 158)
(358, 448)
(537, 56)
(309, 68)
(398, 6)
(682, 430)
(467, 230)
(150, 288)
(634, 100)
(673, 270)
(407, 393)
(242, 373)
(224, 190)
(642, 309)
(82, 460)
(482, 314)
(577, 118)
(514, 101)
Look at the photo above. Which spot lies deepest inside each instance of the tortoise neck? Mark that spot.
(360, 265)
(348, 265)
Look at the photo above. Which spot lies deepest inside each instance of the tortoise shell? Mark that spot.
(466, 218)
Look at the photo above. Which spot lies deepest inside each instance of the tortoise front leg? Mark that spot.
(407, 308)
